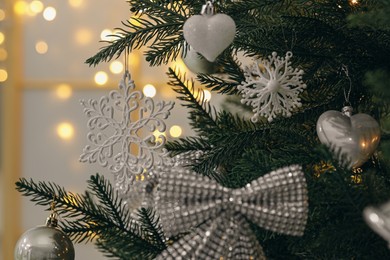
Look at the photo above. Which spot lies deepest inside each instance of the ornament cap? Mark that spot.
(52, 220)
(207, 9)
(347, 111)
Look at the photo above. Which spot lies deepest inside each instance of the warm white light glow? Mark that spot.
(65, 130)
(41, 47)
(134, 60)
(106, 35)
(36, 6)
(353, 2)
(3, 75)
(2, 15)
(149, 90)
(158, 135)
(75, 3)
(175, 131)
(64, 91)
(101, 78)
(21, 7)
(3, 54)
(2, 37)
(83, 36)
(49, 13)
(207, 95)
(179, 64)
(116, 67)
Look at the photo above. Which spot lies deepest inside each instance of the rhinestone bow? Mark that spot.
(185, 200)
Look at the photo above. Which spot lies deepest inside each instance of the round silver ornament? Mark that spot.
(355, 136)
(44, 243)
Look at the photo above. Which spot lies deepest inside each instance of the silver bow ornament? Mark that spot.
(217, 216)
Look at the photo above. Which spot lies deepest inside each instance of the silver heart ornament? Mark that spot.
(208, 34)
(355, 136)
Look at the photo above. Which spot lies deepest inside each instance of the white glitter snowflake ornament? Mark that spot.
(272, 87)
(121, 132)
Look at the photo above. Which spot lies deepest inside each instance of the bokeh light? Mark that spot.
(21, 7)
(3, 75)
(65, 130)
(101, 78)
(158, 135)
(107, 35)
(207, 95)
(83, 36)
(116, 67)
(75, 3)
(175, 131)
(41, 47)
(3, 54)
(50, 13)
(2, 37)
(36, 6)
(149, 90)
(64, 91)
(2, 15)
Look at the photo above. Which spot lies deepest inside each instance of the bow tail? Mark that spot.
(221, 238)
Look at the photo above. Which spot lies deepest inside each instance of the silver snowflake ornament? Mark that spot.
(121, 134)
(272, 87)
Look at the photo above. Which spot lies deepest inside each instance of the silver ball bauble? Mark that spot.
(42, 243)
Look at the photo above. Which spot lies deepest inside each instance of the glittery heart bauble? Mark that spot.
(209, 34)
(44, 242)
(354, 137)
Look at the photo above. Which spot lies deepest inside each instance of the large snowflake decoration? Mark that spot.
(121, 134)
(272, 87)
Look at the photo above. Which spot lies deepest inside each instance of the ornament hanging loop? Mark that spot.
(207, 9)
(347, 94)
(52, 220)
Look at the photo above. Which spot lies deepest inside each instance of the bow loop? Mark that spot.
(276, 201)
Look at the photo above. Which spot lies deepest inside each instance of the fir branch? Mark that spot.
(109, 199)
(165, 50)
(108, 221)
(202, 114)
(150, 222)
(187, 144)
(156, 27)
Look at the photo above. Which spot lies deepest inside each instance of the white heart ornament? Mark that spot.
(357, 136)
(209, 35)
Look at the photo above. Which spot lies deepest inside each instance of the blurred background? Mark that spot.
(43, 47)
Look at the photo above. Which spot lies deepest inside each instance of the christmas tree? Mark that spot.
(269, 176)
